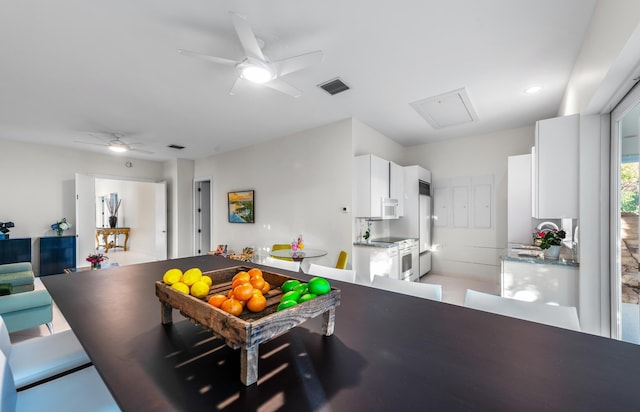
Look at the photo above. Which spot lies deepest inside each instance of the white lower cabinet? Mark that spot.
(543, 283)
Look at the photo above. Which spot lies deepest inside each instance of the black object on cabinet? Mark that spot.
(57, 253)
(15, 250)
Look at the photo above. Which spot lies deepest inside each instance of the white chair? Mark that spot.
(282, 264)
(420, 290)
(559, 316)
(345, 275)
(83, 390)
(36, 359)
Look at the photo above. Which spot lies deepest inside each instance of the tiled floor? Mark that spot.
(454, 287)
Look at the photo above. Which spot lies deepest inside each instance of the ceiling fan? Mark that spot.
(255, 67)
(116, 144)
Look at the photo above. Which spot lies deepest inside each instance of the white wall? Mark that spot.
(604, 59)
(39, 184)
(473, 252)
(179, 174)
(137, 211)
(300, 181)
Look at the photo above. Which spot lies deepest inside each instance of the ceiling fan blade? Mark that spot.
(214, 59)
(91, 143)
(236, 86)
(247, 37)
(293, 64)
(283, 87)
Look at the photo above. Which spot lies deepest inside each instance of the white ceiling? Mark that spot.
(71, 67)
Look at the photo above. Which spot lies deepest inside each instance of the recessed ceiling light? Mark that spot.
(533, 89)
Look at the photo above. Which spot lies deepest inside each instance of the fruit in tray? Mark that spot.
(296, 292)
(247, 290)
(192, 282)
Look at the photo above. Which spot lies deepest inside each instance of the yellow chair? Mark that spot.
(342, 260)
(280, 246)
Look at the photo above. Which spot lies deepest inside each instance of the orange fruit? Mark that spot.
(266, 288)
(257, 292)
(255, 272)
(243, 292)
(257, 303)
(232, 306)
(242, 275)
(217, 300)
(230, 293)
(257, 282)
(238, 282)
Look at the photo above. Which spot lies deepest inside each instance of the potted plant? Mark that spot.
(550, 242)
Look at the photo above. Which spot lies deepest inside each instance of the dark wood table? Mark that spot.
(388, 352)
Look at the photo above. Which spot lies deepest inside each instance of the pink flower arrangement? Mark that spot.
(97, 258)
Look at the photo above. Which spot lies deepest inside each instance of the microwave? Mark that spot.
(390, 208)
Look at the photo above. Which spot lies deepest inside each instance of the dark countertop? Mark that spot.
(389, 352)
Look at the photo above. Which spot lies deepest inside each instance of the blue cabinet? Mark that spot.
(15, 250)
(57, 253)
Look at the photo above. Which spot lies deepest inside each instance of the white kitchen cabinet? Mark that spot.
(543, 283)
(396, 185)
(555, 168)
(369, 261)
(519, 192)
(375, 179)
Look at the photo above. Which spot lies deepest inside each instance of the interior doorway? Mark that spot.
(203, 225)
(142, 212)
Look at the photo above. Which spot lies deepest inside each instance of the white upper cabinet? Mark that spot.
(396, 185)
(555, 168)
(375, 179)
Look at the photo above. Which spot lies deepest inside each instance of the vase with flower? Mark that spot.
(551, 242)
(60, 226)
(96, 260)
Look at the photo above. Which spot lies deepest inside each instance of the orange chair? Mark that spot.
(280, 246)
(342, 260)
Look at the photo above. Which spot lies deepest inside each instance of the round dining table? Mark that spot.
(299, 255)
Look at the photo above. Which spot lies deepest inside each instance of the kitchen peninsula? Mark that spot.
(388, 352)
(527, 275)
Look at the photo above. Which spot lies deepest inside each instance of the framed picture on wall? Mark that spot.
(241, 207)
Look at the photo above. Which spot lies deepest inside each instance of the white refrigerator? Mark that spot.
(417, 219)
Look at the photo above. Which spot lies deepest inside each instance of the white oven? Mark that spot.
(407, 258)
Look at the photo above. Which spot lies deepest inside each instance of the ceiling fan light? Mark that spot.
(257, 74)
(118, 148)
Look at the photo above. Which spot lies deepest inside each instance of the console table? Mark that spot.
(105, 232)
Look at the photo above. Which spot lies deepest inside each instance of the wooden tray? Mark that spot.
(248, 330)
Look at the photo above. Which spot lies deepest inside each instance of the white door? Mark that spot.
(161, 220)
(85, 218)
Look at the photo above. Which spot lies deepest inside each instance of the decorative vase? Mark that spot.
(95, 266)
(59, 232)
(113, 221)
(553, 252)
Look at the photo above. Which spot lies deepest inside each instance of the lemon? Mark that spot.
(179, 286)
(199, 289)
(206, 279)
(172, 276)
(191, 276)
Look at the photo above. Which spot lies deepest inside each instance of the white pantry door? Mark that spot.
(85, 218)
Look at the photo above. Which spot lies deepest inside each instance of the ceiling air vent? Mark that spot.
(334, 86)
(448, 109)
(176, 146)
